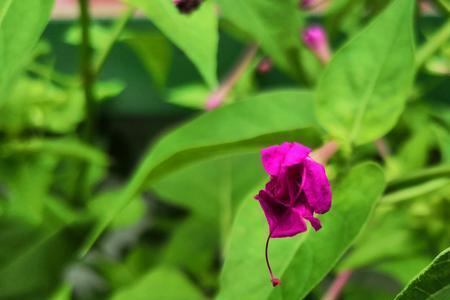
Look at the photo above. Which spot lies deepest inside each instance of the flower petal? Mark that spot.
(276, 158)
(283, 221)
(316, 186)
(306, 212)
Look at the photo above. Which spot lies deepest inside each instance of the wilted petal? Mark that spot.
(316, 186)
(276, 158)
(283, 221)
(307, 212)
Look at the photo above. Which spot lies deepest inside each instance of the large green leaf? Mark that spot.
(209, 188)
(21, 24)
(272, 24)
(301, 261)
(432, 283)
(162, 283)
(364, 88)
(195, 34)
(236, 128)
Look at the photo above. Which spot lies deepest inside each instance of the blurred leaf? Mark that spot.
(443, 137)
(99, 35)
(26, 186)
(129, 216)
(195, 34)
(155, 52)
(208, 186)
(61, 147)
(413, 155)
(301, 261)
(416, 190)
(39, 104)
(403, 268)
(32, 260)
(21, 24)
(388, 228)
(161, 283)
(108, 89)
(192, 247)
(364, 88)
(249, 126)
(273, 25)
(63, 293)
(432, 282)
(192, 95)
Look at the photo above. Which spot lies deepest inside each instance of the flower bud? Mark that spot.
(187, 6)
(265, 65)
(315, 38)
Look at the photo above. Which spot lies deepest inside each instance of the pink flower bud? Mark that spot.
(187, 6)
(265, 65)
(315, 38)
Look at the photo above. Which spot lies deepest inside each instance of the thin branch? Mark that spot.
(438, 39)
(116, 31)
(216, 98)
(338, 284)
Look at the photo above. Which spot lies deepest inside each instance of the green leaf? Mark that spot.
(38, 254)
(364, 88)
(193, 246)
(206, 187)
(21, 24)
(271, 24)
(195, 34)
(162, 283)
(155, 52)
(432, 283)
(302, 261)
(264, 119)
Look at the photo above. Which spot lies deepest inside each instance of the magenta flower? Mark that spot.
(187, 6)
(298, 188)
(315, 38)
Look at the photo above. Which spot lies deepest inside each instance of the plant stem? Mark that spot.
(338, 284)
(433, 44)
(216, 98)
(325, 152)
(87, 70)
(116, 30)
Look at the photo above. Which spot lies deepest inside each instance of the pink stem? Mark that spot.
(216, 98)
(338, 284)
(383, 148)
(324, 153)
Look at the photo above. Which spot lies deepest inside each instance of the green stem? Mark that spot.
(87, 70)
(433, 44)
(116, 31)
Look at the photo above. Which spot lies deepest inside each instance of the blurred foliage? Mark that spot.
(183, 224)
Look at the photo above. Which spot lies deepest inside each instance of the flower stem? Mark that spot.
(275, 281)
(433, 44)
(116, 31)
(87, 70)
(216, 98)
(338, 284)
(325, 152)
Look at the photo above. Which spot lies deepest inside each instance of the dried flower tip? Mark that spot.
(187, 6)
(315, 38)
(275, 282)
